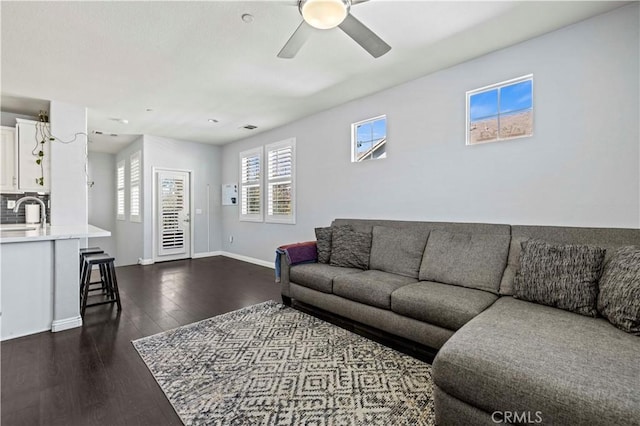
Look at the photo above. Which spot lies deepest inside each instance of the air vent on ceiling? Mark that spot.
(98, 132)
(250, 127)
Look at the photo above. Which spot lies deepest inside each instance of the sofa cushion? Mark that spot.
(513, 264)
(468, 260)
(619, 297)
(521, 356)
(323, 244)
(397, 250)
(317, 276)
(564, 276)
(370, 287)
(349, 248)
(445, 305)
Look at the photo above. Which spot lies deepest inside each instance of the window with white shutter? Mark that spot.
(134, 186)
(281, 181)
(251, 185)
(120, 190)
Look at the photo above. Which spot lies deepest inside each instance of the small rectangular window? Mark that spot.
(134, 185)
(120, 214)
(281, 182)
(501, 111)
(369, 139)
(251, 185)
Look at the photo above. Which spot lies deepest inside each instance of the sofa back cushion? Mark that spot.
(397, 250)
(608, 238)
(464, 259)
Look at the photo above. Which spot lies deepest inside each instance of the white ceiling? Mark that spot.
(192, 61)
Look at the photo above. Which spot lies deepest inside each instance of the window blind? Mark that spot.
(251, 185)
(120, 191)
(280, 182)
(134, 185)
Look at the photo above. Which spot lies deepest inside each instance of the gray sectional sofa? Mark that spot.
(449, 286)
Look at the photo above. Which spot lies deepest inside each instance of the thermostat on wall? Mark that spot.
(229, 194)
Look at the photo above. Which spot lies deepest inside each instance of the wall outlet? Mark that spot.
(198, 211)
(11, 204)
(231, 238)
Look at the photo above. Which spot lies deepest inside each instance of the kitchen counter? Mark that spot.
(39, 277)
(19, 233)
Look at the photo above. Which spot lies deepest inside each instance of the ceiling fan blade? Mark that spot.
(295, 42)
(364, 36)
(354, 2)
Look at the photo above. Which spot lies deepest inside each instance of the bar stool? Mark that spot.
(85, 252)
(108, 280)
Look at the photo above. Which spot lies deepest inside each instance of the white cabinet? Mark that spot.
(8, 160)
(30, 173)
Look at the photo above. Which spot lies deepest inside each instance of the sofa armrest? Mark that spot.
(293, 254)
(284, 275)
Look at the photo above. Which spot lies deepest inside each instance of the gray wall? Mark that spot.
(129, 235)
(203, 161)
(581, 167)
(102, 200)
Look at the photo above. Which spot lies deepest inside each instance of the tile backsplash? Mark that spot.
(8, 216)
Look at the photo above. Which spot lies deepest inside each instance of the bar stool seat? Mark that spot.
(85, 252)
(108, 280)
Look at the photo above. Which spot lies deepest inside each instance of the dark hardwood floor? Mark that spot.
(92, 375)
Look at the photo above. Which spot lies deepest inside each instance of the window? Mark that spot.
(369, 139)
(281, 182)
(251, 185)
(134, 185)
(120, 190)
(500, 111)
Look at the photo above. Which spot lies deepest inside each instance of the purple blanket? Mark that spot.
(296, 253)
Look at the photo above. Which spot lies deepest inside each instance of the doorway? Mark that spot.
(172, 218)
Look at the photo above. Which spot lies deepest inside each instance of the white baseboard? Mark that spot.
(207, 254)
(66, 324)
(249, 259)
(220, 253)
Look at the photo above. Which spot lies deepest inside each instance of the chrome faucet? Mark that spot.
(43, 208)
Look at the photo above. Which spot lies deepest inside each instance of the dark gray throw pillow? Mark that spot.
(323, 244)
(564, 276)
(619, 298)
(349, 248)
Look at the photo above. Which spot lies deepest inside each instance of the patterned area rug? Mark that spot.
(273, 365)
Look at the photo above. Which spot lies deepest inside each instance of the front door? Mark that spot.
(173, 216)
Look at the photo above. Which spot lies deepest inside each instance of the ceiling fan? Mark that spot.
(328, 14)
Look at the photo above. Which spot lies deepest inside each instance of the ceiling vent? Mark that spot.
(98, 132)
(250, 127)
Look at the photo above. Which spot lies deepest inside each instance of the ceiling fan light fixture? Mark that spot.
(324, 14)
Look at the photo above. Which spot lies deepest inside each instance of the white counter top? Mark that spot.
(24, 233)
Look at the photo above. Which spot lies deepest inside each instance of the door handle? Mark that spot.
(186, 220)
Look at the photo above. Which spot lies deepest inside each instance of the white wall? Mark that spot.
(68, 162)
(581, 167)
(129, 235)
(102, 199)
(203, 161)
(9, 118)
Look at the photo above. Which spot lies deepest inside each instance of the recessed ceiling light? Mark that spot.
(120, 120)
(250, 127)
(247, 18)
(212, 120)
(149, 109)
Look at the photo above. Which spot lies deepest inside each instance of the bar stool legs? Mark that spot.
(108, 280)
